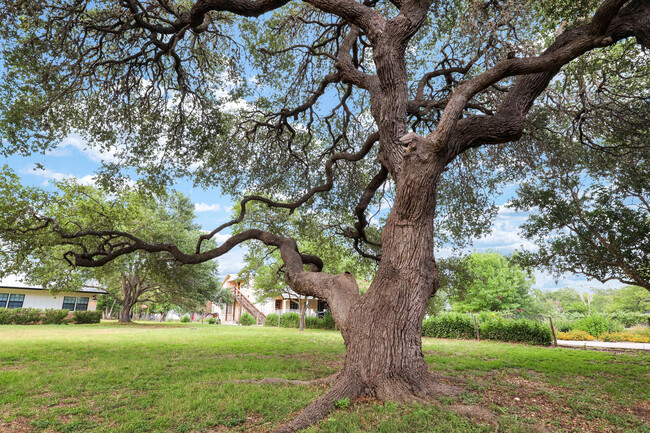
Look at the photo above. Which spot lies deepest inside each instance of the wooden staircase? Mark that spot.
(248, 306)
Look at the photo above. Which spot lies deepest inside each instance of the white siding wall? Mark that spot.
(43, 299)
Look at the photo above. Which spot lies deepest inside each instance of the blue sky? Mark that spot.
(74, 159)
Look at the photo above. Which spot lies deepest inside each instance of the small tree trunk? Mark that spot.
(110, 312)
(303, 309)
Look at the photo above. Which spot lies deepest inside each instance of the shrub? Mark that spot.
(6, 316)
(451, 325)
(563, 325)
(290, 320)
(54, 317)
(624, 336)
(327, 322)
(271, 320)
(628, 319)
(575, 335)
(640, 330)
(491, 327)
(26, 316)
(81, 317)
(597, 324)
(186, 319)
(247, 319)
(516, 331)
(212, 321)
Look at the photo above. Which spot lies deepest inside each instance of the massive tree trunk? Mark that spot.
(382, 330)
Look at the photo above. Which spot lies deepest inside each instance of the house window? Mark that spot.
(69, 302)
(16, 301)
(4, 297)
(82, 304)
(278, 304)
(293, 305)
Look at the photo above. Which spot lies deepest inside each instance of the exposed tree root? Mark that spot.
(394, 389)
(320, 408)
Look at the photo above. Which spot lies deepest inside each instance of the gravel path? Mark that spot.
(604, 345)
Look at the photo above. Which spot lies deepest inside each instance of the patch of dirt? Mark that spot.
(12, 367)
(642, 410)
(254, 424)
(362, 401)
(478, 413)
(18, 425)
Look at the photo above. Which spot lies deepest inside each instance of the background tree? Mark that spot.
(348, 99)
(630, 299)
(588, 192)
(489, 282)
(566, 300)
(129, 279)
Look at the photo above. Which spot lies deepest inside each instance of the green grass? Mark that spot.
(174, 378)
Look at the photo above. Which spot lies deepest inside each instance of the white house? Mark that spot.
(15, 294)
(245, 300)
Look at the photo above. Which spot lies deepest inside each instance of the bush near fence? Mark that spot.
(597, 324)
(497, 328)
(451, 325)
(292, 320)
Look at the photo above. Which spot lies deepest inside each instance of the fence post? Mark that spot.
(478, 337)
(552, 331)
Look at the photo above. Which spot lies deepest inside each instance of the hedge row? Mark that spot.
(292, 320)
(453, 325)
(31, 316)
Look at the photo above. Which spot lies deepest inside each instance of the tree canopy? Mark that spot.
(35, 235)
(488, 282)
(341, 105)
(589, 189)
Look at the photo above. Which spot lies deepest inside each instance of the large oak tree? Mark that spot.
(327, 102)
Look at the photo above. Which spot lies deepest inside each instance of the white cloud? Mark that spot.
(205, 207)
(75, 141)
(54, 175)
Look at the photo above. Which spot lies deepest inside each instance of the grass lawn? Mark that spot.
(174, 378)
